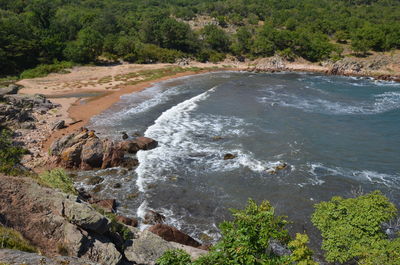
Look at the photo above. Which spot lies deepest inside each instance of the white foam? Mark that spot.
(384, 102)
(320, 170)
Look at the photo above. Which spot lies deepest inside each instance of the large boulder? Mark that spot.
(170, 233)
(145, 143)
(113, 156)
(71, 156)
(92, 153)
(90, 246)
(11, 89)
(86, 151)
(146, 248)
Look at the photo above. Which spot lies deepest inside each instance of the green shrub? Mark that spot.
(174, 257)
(45, 69)
(58, 179)
(301, 254)
(352, 227)
(245, 240)
(11, 239)
(10, 155)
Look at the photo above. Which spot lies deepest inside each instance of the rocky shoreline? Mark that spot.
(70, 228)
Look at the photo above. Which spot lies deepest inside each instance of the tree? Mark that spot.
(367, 38)
(86, 48)
(352, 227)
(216, 38)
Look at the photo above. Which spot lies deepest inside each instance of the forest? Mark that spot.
(41, 32)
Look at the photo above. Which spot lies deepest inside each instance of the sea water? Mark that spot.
(338, 136)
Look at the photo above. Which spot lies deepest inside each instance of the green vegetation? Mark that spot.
(37, 32)
(45, 69)
(11, 239)
(352, 231)
(10, 155)
(58, 179)
(247, 239)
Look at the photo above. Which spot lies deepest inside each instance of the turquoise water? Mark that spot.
(337, 135)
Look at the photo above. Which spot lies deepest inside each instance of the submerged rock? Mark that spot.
(229, 156)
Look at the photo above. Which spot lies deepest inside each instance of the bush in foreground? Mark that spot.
(352, 229)
(11, 239)
(247, 240)
(10, 155)
(58, 179)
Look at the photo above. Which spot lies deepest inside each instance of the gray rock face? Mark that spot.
(11, 89)
(10, 256)
(84, 216)
(147, 248)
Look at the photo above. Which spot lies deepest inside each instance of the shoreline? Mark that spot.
(77, 115)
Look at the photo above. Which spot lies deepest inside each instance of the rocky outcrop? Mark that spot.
(60, 224)
(11, 256)
(55, 222)
(10, 90)
(17, 110)
(170, 233)
(270, 64)
(86, 151)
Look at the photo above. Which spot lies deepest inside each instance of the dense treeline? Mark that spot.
(36, 32)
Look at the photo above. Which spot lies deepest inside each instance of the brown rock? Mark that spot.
(92, 154)
(129, 146)
(71, 156)
(146, 143)
(229, 156)
(128, 221)
(109, 205)
(170, 233)
(113, 156)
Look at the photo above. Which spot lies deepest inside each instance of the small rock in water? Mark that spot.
(133, 195)
(136, 134)
(217, 138)
(95, 180)
(125, 136)
(117, 185)
(229, 156)
(152, 217)
(98, 188)
(281, 166)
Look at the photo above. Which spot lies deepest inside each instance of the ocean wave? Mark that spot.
(320, 170)
(385, 102)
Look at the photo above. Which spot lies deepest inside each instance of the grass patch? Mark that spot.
(58, 179)
(10, 155)
(9, 238)
(7, 80)
(149, 75)
(45, 69)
